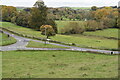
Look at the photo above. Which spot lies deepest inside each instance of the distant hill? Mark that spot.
(21, 8)
(80, 7)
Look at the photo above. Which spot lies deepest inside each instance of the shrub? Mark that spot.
(73, 28)
(108, 22)
(22, 19)
(91, 25)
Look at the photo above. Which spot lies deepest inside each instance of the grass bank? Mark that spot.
(42, 45)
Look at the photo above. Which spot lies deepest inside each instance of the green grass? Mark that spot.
(58, 64)
(5, 40)
(19, 29)
(113, 32)
(86, 41)
(42, 45)
(82, 41)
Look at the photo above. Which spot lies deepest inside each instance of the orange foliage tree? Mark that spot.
(47, 30)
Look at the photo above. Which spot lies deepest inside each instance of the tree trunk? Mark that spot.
(47, 37)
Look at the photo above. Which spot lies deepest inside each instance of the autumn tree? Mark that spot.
(8, 12)
(108, 22)
(47, 30)
(92, 25)
(53, 24)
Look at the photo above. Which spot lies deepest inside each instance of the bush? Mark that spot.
(91, 25)
(22, 19)
(108, 22)
(73, 28)
(8, 12)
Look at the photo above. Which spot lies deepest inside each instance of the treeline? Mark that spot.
(66, 13)
(29, 17)
(94, 19)
(97, 19)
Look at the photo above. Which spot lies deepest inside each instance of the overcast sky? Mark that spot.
(61, 3)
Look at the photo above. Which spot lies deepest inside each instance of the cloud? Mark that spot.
(59, 3)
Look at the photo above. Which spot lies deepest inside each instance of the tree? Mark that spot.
(22, 19)
(94, 8)
(102, 13)
(47, 30)
(73, 28)
(8, 12)
(92, 25)
(108, 22)
(39, 15)
(53, 24)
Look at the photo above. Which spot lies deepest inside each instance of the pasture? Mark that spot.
(81, 41)
(112, 32)
(58, 64)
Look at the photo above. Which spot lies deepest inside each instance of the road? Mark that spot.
(22, 42)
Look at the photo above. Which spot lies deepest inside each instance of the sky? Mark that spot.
(61, 3)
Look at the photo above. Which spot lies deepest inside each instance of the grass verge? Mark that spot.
(42, 45)
(5, 40)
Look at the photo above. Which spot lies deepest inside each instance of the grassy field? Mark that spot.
(81, 41)
(113, 32)
(58, 64)
(86, 41)
(5, 40)
(42, 45)
(19, 29)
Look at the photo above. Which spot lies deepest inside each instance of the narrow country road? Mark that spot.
(22, 42)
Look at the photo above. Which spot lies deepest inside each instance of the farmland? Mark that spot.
(58, 64)
(58, 41)
(81, 41)
(113, 32)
